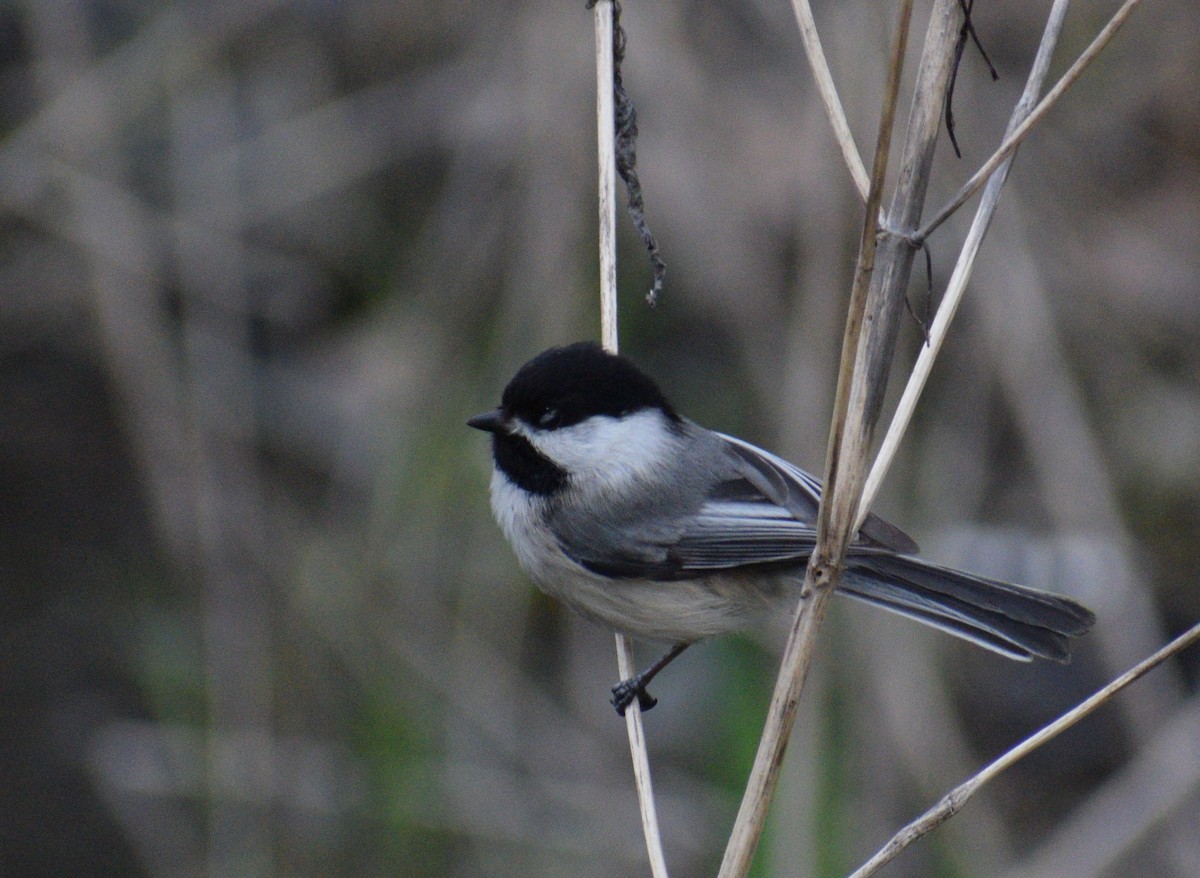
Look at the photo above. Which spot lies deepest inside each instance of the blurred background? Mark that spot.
(262, 259)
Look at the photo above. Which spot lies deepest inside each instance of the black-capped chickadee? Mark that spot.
(645, 521)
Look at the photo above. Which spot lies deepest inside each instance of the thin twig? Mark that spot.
(829, 97)
(963, 269)
(606, 163)
(641, 764)
(960, 795)
(1159, 780)
(1014, 138)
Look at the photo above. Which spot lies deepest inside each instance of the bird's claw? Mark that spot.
(624, 693)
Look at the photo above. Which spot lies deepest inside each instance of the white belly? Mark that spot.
(673, 611)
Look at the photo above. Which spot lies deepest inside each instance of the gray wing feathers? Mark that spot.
(800, 493)
(748, 507)
(741, 507)
(729, 534)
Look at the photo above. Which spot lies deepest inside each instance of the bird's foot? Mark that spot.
(624, 693)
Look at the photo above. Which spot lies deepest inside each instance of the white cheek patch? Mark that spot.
(606, 452)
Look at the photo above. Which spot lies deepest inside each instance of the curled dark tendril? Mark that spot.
(625, 117)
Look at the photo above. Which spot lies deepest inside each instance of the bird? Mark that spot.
(642, 520)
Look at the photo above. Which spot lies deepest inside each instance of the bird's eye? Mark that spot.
(549, 418)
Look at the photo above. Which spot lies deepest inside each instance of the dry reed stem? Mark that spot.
(962, 269)
(873, 321)
(607, 173)
(829, 97)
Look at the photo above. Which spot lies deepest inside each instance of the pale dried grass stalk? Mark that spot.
(607, 173)
(829, 97)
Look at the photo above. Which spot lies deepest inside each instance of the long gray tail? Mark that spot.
(1013, 620)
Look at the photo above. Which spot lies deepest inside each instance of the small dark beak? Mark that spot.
(490, 422)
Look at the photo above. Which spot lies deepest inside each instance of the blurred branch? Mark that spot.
(177, 42)
(916, 712)
(953, 801)
(217, 378)
(1030, 361)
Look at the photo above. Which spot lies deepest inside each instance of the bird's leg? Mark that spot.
(635, 687)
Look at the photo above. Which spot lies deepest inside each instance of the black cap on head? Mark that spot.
(563, 386)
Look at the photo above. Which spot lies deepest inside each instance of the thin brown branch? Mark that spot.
(872, 324)
(960, 795)
(1133, 804)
